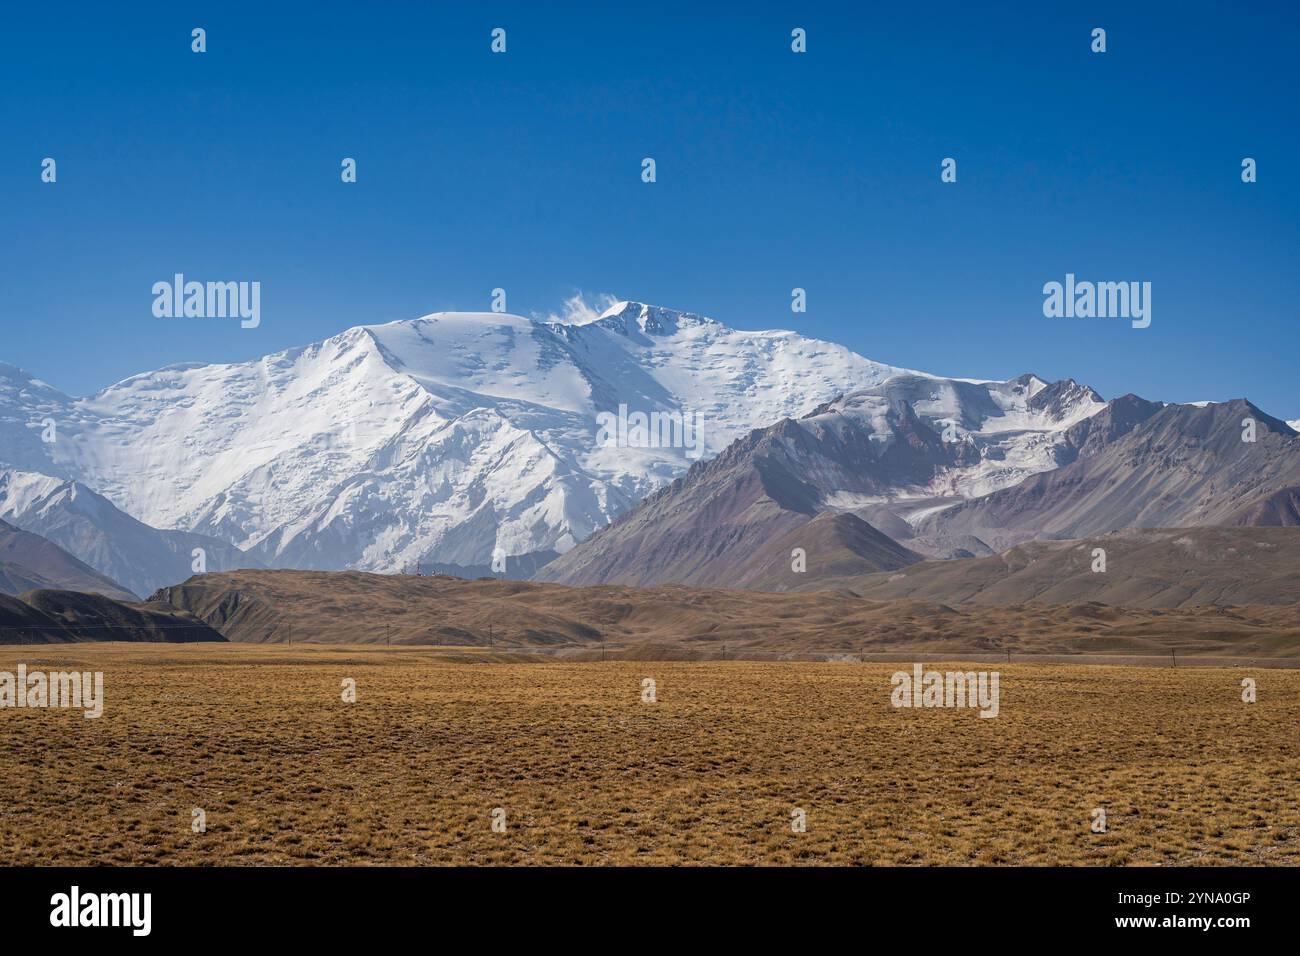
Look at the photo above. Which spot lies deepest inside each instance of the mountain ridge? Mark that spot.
(446, 438)
(29, 562)
(1184, 465)
(881, 454)
(468, 441)
(91, 528)
(1129, 464)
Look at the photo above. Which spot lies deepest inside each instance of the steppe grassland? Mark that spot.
(588, 773)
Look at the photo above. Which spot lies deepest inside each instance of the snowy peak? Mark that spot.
(627, 318)
(440, 439)
(468, 359)
(32, 493)
(1065, 401)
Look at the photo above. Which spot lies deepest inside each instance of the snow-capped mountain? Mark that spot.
(440, 439)
(876, 460)
(1176, 466)
(943, 468)
(88, 526)
(1010, 430)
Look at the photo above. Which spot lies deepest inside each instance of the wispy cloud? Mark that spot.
(580, 308)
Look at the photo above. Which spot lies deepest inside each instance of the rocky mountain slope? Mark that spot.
(889, 454)
(946, 474)
(1185, 465)
(29, 562)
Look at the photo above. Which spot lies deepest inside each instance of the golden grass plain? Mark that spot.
(587, 773)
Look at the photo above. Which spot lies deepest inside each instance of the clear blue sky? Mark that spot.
(775, 170)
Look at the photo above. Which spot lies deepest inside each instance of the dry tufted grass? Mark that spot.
(588, 774)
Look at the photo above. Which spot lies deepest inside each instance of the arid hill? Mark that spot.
(673, 621)
(1164, 568)
(61, 617)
